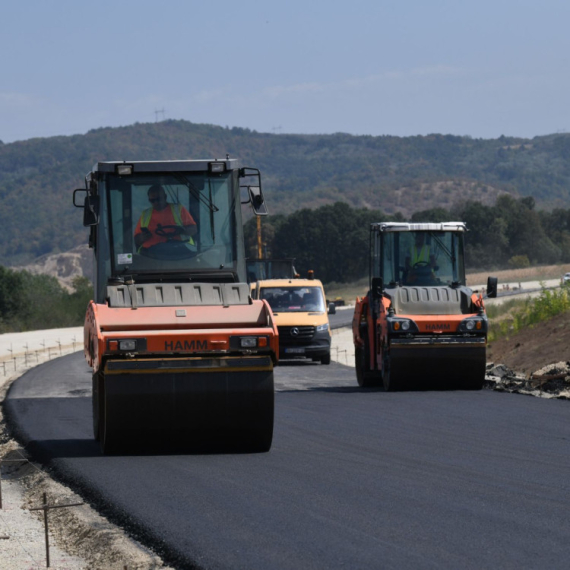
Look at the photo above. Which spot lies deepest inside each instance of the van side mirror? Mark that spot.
(332, 309)
(492, 287)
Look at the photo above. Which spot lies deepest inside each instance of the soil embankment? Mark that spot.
(533, 348)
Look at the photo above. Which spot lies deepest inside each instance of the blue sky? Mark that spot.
(374, 67)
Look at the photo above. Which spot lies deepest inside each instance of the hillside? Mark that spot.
(394, 174)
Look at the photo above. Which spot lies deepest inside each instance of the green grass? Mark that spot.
(513, 316)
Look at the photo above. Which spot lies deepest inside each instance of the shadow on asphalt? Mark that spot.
(332, 390)
(283, 363)
(49, 450)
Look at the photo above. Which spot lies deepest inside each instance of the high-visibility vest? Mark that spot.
(175, 209)
(421, 255)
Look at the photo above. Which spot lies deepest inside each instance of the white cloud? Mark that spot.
(278, 91)
(13, 99)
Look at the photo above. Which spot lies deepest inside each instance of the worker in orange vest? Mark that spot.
(163, 214)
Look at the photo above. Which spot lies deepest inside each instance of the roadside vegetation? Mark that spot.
(333, 240)
(398, 175)
(514, 316)
(32, 302)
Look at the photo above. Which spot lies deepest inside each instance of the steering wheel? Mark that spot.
(168, 232)
(168, 250)
(418, 264)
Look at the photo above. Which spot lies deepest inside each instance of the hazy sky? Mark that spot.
(398, 67)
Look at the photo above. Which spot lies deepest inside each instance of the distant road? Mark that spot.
(342, 318)
(356, 478)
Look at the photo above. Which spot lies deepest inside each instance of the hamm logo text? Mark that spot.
(186, 345)
(438, 327)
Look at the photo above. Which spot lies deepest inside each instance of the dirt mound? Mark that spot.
(63, 266)
(533, 348)
(536, 361)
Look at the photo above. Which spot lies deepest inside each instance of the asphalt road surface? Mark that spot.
(355, 479)
(342, 318)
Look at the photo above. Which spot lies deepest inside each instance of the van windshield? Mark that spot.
(294, 299)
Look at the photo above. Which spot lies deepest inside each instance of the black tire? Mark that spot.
(365, 377)
(259, 438)
(108, 440)
(326, 359)
(390, 383)
(97, 393)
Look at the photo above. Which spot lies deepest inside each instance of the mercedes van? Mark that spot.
(301, 314)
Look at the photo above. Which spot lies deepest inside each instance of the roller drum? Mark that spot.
(189, 410)
(454, 364)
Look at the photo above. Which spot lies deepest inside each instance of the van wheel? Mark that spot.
(326, 359)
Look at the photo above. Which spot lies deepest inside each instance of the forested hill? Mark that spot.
(394, 174)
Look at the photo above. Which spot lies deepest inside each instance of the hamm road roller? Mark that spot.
(420, 326)
(181, 354)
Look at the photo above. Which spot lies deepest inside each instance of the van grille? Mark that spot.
(304, 334)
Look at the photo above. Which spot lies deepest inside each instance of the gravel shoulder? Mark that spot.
(79, 537)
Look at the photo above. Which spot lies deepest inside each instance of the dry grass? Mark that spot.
(538, 273)
(349, 291)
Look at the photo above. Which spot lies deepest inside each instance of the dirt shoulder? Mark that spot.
(79, 537)
(533, 348)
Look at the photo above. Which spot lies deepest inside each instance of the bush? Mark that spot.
(518, 262)
(547, 305)
(31, 302)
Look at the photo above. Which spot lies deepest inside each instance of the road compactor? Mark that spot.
(181, 354)
(420, 326)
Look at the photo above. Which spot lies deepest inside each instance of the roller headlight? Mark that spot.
(248, 342)
(126, 344)
(324, 327)
(474, 325)
(403, 325)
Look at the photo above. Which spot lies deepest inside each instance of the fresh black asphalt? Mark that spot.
(355, 478)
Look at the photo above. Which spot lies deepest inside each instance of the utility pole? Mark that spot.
(259, 249)
(158, 112)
